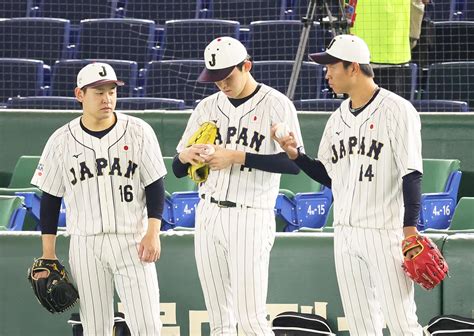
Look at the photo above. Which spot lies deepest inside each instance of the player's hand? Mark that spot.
(149, 249)
(192, 155)
(411, 231)
(223, 158)
(287, 143)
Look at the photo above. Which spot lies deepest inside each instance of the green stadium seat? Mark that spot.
(21, 178)
(12, 213)
(439, 188)
(463, 218)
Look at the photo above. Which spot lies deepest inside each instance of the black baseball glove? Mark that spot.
(55, 292)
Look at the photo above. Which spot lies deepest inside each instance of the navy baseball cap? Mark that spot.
(344, 48)
(221, 56)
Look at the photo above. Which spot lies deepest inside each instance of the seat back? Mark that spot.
(436, 173)
(440, 10)
(23, 172)
(246, 11)
(263, 34)
(162, 11)
(277, 75)
(299, 183)
(15, 8)
(468, 11)
(64, 74)
(463, 218)
(187, 39)
(436, 105)
(400, 79)
(75, 11)
(44, 102)
(328, 105)
(8, 206)
(172, 183)
(176, 80)
(451, 81)
(121, 39)
(20, 77)
(34, 38)
(142, 103)
(454, 41)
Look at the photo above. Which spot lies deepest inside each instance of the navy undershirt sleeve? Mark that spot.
(155, 198)
(49, 213)
(314, 169)
(273, 163)
(412, 198)
(180, 169)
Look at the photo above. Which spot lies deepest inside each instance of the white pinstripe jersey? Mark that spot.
(245, 128)
(366, 157)
(102, 180)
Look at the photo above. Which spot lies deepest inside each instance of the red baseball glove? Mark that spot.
(428, 267)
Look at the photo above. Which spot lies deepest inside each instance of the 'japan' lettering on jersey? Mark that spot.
(366, 157)
(245, 128)
(102, 180)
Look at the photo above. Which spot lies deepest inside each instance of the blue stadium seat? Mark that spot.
(176, 80)
(142, 103)
(187, 39)
(297, 9)
(454, 41)
(440, 106)
(328, 105)
(467, 11)
(34, 38)
(400, 79)
(20, 77)
(44, 102)
(75, 11)
(440, 185)
(451, 81)
(64, 74)
(277, 75)
(162, 11)
(15, 8)
(263, 34)
(120, 39)
(246, 11)
(440, 10)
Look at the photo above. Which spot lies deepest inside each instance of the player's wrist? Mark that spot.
(410, 231)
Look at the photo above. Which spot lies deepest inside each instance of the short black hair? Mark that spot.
(241, 64)
(365, 68)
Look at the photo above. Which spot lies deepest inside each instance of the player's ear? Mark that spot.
(248, 65)
(79, 94)
(355, 68)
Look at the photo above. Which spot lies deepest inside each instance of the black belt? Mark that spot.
(221, 204)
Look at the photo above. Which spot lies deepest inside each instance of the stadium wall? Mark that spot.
(302, 278)
(444, 135)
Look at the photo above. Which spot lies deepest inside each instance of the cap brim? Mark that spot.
(212, 76)
(103, 82)
(323, 58)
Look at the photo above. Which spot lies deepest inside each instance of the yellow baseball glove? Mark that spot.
(206, 134)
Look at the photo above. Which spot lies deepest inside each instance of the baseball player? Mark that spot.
(370, 155)
(235, 222)
(109, 170)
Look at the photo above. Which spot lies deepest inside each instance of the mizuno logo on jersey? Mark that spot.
(254, 140)
(353, 144)
(102, 167)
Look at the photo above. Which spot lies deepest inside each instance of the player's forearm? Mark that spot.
(180, 169)
(154, 226)
(49, 246)
(314, 169)
(49, 213)
(411, 187)
(155, 198)
(273, 163)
